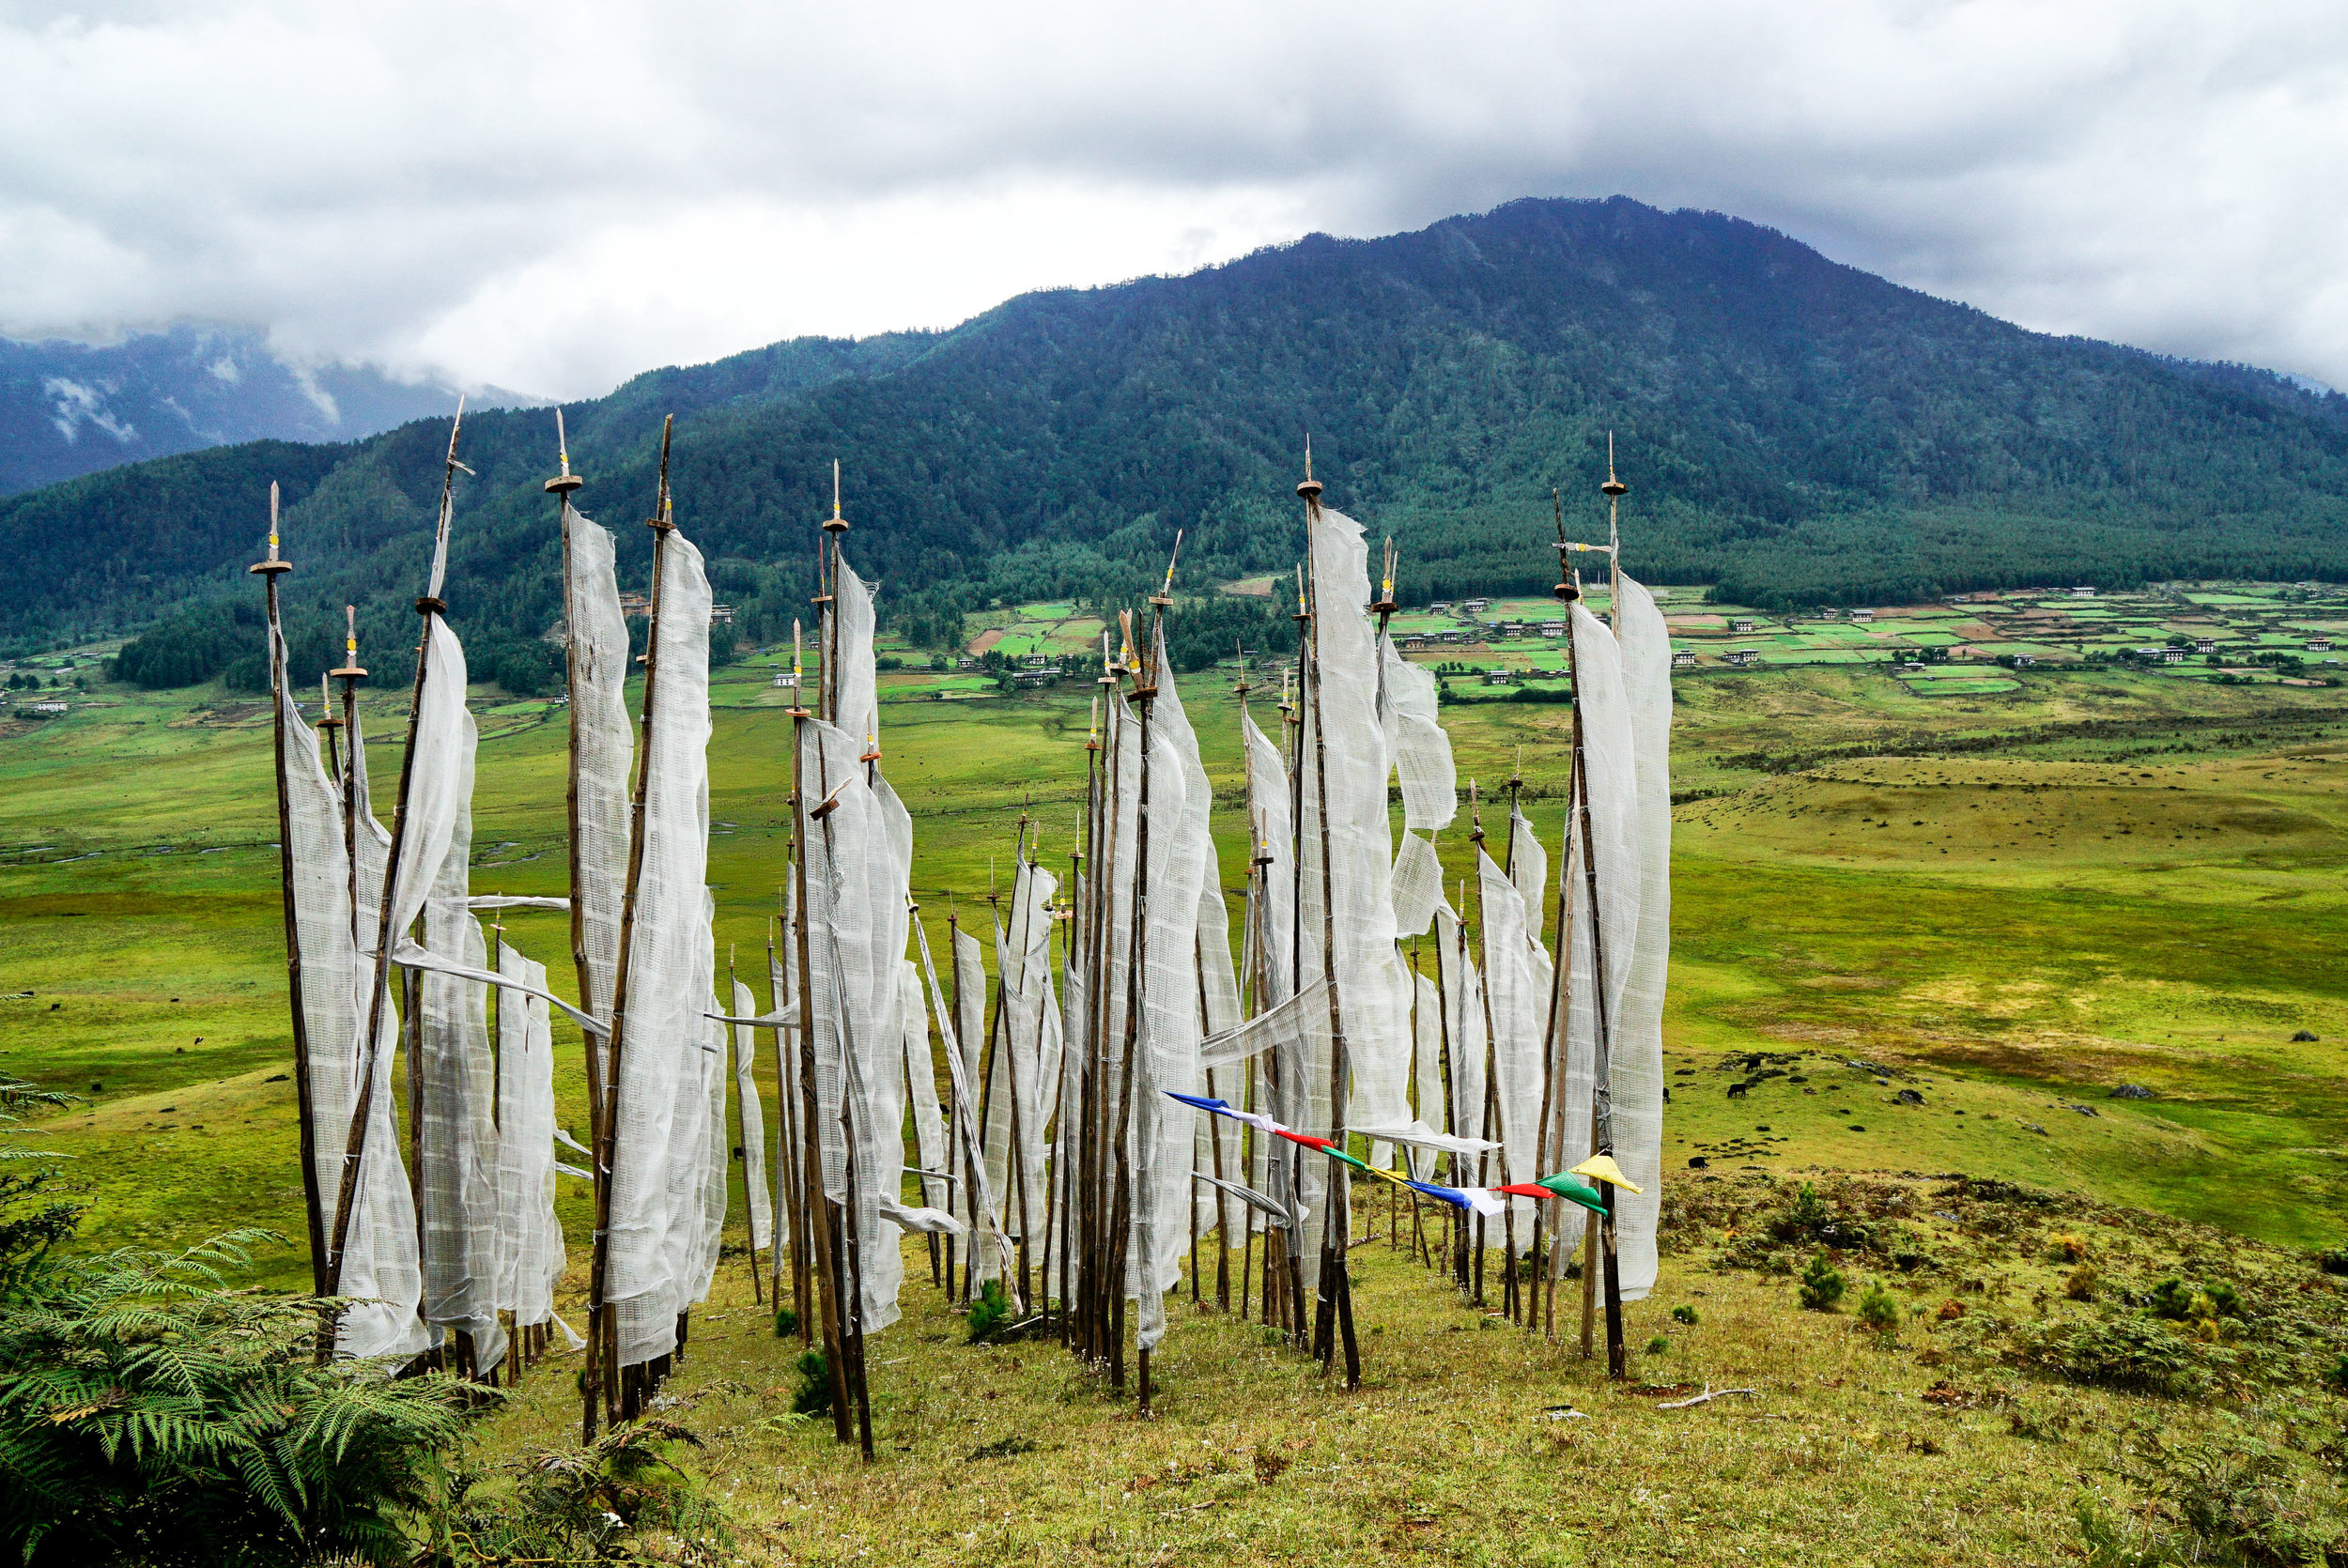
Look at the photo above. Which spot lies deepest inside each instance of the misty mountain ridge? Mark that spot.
(70, 408)
(1795, 432)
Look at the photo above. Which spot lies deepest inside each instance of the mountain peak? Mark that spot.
(1796, 431)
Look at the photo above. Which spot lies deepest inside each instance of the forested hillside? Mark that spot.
(1794, 430)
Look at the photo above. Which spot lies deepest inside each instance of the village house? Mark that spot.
(1740, 657)
(1475, 606)
(2319, 645)
(1741, 626)
(1683, 658)
(2084, 591)
(2205, 645)
(1862, 615)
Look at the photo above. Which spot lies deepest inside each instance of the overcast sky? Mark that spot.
(552, 197)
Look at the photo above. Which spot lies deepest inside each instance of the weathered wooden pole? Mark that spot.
(1602, 1110)
(428, 609)
(268, 571)
(601, 1328)
(822, 1226)
(1333, 1313)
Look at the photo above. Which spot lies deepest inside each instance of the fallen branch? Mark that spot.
(1709, 1395)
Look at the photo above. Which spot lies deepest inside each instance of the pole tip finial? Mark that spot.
(1614, 487)
(1309, 486)
(837, 522)
(274, 564)
(565, 482)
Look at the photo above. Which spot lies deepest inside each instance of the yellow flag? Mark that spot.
(1601, 1167)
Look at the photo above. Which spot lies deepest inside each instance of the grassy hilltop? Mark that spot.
(1877, 899)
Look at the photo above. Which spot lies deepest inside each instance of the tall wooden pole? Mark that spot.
(1335, 1308)
(1292, 1276)
(429, 608)
(1602, 1100)
(1144, 690)
(601, 1331)
(268, 571)
(851, 1226)
(821, 1229)
(1145, 1118)
(562, 487)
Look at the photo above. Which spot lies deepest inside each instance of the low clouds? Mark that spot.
(551, 197)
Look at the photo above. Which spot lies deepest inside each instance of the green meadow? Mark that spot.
(1920, 938)
(2088, 879)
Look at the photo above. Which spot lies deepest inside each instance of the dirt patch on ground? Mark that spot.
(986, 640)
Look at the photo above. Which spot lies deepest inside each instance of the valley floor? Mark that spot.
(2008, 904)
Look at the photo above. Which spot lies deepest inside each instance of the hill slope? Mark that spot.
(1794, 429)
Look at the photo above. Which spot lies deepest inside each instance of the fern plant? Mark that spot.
(589, 1505)
(34, 1217)
(151, 1414)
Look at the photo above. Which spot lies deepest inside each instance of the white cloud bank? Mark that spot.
(551, 197)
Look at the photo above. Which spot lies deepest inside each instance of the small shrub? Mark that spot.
(2121, 1352)
(2337, 1379)
(2173, 1298)
(786, 1323)
(1822, 1284)
(813, 1397)
(1949, 1311)
(1878, 1310)
(1684, 1313)
(2333, 1260)
(2067, 1249)
(575, 1505)
(1658, 1345)
(2223, 1298)
(990, 1311)
(2081, 1284)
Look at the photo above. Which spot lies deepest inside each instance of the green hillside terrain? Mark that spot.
(1797, 432)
